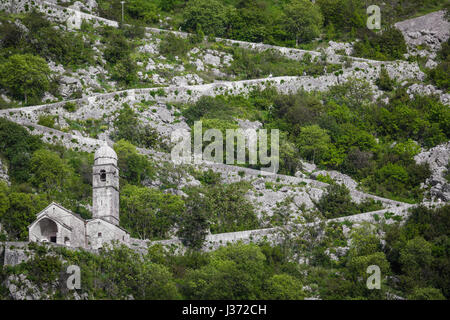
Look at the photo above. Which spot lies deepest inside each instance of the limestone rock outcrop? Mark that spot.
(438, 160)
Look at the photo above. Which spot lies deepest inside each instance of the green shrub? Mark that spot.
(47, 120)
(70, 106)
(386, 45)
(26, 77)
(384, 82)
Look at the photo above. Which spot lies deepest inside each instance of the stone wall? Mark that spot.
(357, 196)
(16, 252)
(214, 241)
(54, 136)
(188, 94)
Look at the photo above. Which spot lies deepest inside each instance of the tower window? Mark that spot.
(102, 175)
(99, 234)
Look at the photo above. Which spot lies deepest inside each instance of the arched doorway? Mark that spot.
(48, 230)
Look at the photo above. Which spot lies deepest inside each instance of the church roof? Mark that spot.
(105, 151)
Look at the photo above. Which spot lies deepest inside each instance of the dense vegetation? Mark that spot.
(372, 142)
(414, 264)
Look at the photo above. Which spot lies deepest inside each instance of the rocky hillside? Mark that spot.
(363, 150)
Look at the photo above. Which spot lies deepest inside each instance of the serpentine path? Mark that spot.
(361, 68)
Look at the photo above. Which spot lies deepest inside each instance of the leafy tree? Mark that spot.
(33, 33)
(128, 127)
(284, 287)
(117, 46)
(230, 210)
(4, 200)
(143, 10)
(17, 145)
(298, 109)
(384, 82)
(426, 294)
(358, 162)
(303, 19)
(205, 107)
(343, 15)
(354, 93)
(125, 70)
(172, 46)
(417, 250)
(134, 167)
(358, 265)
(257, 21)
(364, 241)
(194, 222)
(439, 74)
(386, 45)
(313, 143)
(148, 213)
(25, 76)
(48, 170)
(120, 272)
(22, 211)
(234, 272)
(393, 175)
(337, 202)
(416, 258)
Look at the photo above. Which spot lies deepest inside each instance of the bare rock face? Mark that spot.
(307, 167)
(20, 288)
(14, 257)
(339, 48)
(89, 6)
(424, 35)
(212, 60)
(422, 89)
(151, 48)
(69, 85)
(438, 159)
(164, 120)
(188, 79)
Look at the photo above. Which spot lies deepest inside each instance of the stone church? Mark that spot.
(61, 226)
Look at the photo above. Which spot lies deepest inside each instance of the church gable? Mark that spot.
(61, 226)
(100, 231)
(58, 225)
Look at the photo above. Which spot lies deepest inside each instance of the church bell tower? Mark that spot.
(105, 185)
